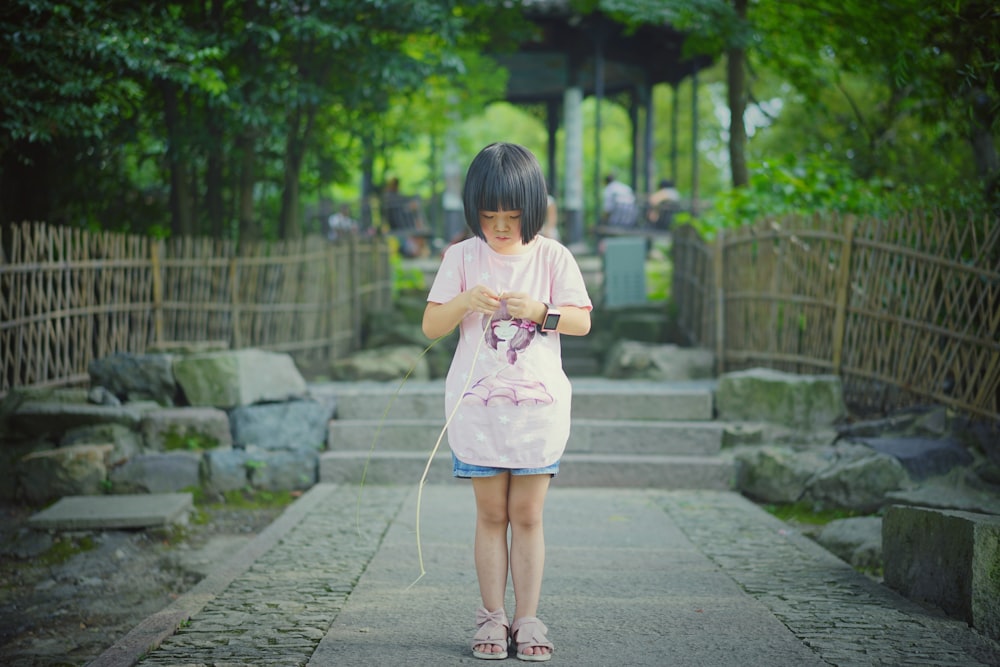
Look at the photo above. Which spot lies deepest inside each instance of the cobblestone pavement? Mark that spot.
(633, 577)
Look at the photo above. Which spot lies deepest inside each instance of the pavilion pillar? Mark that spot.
(649, 139)
(573, 189)
(675, 110)
(552, 119)
(633, 116)
(695, 185)
(454, 209)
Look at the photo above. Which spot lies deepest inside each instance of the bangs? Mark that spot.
(506, 177)
(502, 189)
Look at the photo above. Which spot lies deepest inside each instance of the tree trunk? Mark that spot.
(248, 230)
(288, 222)
(736, 80)
(181, 223)
(984, 149)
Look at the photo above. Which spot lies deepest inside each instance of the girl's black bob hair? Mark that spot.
(506, 177)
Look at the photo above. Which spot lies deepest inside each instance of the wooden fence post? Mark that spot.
(357, 303)
(234, 289)
(843, 290)
(155, 247)
(720, 302)
(330, 298)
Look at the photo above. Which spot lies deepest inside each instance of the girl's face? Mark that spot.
(502, 230)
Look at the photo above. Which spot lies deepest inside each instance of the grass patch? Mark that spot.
(65, 548)
(806, 513)
(188, 441)
(256, 499)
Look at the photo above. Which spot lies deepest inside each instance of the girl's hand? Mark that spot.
(482, 299)
(523, 307)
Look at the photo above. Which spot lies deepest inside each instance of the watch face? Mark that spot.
(551, 322)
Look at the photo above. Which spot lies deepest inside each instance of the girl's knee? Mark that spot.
(493, 515)
(526, 515)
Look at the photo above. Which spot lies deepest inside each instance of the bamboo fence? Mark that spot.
(906, 310)
(68, 296)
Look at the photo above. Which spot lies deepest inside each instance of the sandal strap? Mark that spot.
(528, 631)
(493, 627)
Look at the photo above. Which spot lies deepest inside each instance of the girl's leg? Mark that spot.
(525, 505)
(491, 544)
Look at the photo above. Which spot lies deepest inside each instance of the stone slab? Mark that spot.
(114, 512)
(948, 558)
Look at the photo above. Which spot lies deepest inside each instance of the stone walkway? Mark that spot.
(633, 577)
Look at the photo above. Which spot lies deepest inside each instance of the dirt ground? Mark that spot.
(66, 597)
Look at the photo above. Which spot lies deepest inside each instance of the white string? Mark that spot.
(378, 431)
(430, 459)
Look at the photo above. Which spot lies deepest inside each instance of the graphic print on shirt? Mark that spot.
(512, 383)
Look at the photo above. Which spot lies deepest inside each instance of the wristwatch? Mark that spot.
(551, 320)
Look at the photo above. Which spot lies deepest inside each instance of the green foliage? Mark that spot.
(659, 278)
(191, 442)
(403, 279)
(64, 548)
(257, 499)
(805, 513)
(814, 184)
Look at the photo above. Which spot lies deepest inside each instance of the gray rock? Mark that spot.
(387, 332)
(856, 540)
(226, 470)
(283, 470)
(67, 471)
(190, 429)
(47, 418)
(101, 396)
(136, 376)
(390, 363)
(947, 558)
(26, 543)
(157, 473)
(11, 453)
(777, 474)
(638, 360)
(857, 483)
(125, 442)
(761, 394)
(239, 377)
(736, 435)
(288, 425)
(922, 457)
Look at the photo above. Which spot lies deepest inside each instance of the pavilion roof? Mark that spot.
(538, 70)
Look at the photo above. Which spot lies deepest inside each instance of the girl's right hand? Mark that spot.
(482, 299)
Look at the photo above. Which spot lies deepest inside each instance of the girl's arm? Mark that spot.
(573, 320)
(441, 318)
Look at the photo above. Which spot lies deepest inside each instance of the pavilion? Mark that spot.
(572, 56)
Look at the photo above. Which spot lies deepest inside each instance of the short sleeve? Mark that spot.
(449, 281)
(568, 287)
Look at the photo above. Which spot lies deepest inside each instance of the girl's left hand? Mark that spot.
(523, 307)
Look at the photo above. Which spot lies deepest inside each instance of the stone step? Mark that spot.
(583, 470)
(593, 398)
(692, 438)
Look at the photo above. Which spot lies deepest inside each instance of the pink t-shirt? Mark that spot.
(514, 396)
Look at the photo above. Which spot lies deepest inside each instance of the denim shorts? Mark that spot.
(467, 470)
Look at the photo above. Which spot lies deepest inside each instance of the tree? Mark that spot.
(200, 106)
(936, 62)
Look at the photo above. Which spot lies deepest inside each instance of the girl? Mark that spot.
(512, 293)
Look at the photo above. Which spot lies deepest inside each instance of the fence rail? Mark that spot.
(905, 310)
(68, 296)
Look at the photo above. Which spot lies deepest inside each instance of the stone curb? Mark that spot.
(148, 634)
